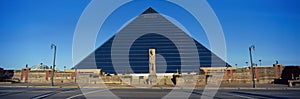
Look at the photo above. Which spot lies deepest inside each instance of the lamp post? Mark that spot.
(53, 68)
(246, 64)
(259, 62)
(75, 73)
(253, 72)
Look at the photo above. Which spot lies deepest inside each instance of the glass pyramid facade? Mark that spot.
(128, 49)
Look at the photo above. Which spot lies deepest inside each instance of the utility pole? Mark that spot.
(253, 72)
(53, 68)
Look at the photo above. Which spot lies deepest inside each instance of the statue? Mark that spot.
(152, 67)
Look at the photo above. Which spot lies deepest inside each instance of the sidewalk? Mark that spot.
(258, 86)
(40, 85)
(222, 86)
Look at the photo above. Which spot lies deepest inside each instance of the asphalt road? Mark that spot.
(76, 93)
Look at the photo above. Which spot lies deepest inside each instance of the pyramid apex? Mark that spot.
(149, 10)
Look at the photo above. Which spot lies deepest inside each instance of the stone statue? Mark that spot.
(152, 67)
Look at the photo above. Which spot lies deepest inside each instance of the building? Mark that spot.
(128, 49)
(39, 67)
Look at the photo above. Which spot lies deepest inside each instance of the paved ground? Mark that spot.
(76, 93)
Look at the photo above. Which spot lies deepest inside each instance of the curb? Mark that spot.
(39, 86)
(201, 88)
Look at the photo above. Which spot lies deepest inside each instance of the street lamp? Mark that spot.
(259, 62)
(75, 72)
(246, 64)
(53, 68)
(253, 72)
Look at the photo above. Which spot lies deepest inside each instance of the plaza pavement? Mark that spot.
(71, 91)
(142, 93)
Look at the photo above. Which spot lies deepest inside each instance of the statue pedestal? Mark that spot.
(152, 79)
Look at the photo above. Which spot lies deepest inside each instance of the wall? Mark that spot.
(40, 77)
(265, 75)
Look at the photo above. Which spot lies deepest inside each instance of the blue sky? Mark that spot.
(29, 27)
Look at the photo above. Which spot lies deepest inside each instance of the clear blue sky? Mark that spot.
(29, 27)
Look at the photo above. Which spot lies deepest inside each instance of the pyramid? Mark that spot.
(149, 11)
(128, 49)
